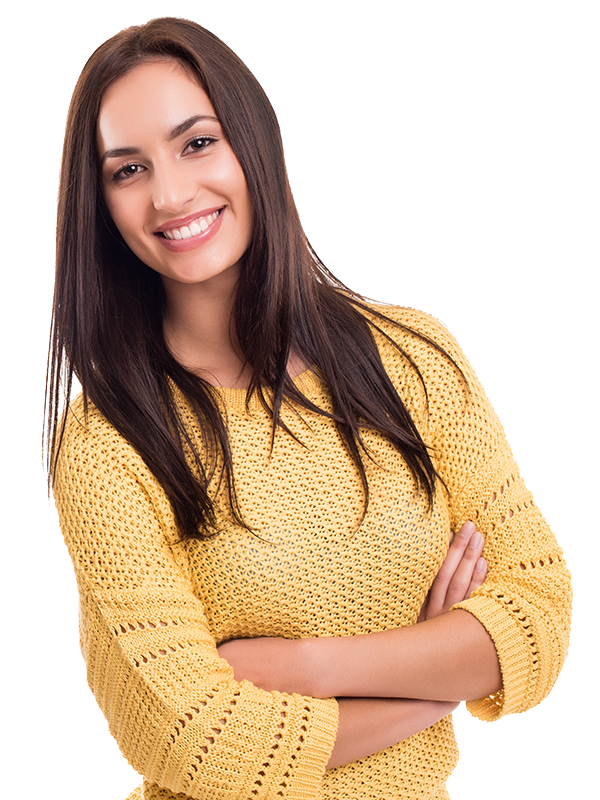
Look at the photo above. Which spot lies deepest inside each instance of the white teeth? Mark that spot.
(195, 227)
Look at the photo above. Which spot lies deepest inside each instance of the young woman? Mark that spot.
(260, 480)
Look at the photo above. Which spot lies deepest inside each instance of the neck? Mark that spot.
(199, 331)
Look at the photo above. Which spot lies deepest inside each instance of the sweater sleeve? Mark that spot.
(172, 704)
(525, 601)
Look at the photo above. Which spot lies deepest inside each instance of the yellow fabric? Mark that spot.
(153, 608)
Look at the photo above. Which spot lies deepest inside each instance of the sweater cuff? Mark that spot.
(313, 758)
(514, 654)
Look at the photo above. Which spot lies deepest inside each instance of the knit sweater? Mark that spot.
(154, 608)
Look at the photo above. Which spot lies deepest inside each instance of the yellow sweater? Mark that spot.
(153, 609)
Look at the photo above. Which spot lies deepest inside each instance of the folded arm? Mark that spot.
(375, 714)
(368, 725)
(448, 657)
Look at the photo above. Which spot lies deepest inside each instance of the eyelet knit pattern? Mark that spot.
(154, 608)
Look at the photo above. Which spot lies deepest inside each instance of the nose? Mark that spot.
(172, 188)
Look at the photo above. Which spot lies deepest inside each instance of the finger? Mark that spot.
(440, 586)
(458, 588)
(479, 575)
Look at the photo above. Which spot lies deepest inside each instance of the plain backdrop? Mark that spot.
(443, 155)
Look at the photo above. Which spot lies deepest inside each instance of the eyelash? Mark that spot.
(120, 175)
(206, 140)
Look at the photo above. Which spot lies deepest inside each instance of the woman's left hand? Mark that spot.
(464, 570)
(269, 663)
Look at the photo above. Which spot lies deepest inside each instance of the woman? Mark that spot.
(258, 485)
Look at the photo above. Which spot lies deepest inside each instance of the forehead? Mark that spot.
(153, 97)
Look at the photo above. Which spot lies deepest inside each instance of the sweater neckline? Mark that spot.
(308, 382)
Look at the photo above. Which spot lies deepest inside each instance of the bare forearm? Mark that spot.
(447, 656)
(368, 725)
(451, 657)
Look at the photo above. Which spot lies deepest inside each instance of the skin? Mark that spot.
(326, 667)
(165, 159)
(446, 658)
(162, 179)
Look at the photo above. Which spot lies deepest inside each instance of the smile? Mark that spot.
(193, 228)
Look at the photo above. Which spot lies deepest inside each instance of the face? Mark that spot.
(171, 181)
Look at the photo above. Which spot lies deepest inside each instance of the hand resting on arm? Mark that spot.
(374, 710)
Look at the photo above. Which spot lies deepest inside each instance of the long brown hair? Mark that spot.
(108, 305)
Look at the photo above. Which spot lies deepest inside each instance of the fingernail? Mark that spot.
(481, 565)
(467, 530)
(476, 540)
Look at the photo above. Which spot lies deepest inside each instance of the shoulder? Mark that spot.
(417, 349)
(100, 478)
(402, 323)
(92, 451)
(421, 337)
(88, 432)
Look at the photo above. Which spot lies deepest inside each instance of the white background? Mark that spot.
(443, 155)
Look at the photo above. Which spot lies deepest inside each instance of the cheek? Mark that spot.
(126, 218)
(227, 177)
(244, 202)
(223, 177)
(244, 194)
(116, 211)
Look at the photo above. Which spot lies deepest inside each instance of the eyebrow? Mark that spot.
(184, 126)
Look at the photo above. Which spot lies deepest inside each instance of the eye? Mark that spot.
(199, 143)
(128, 171)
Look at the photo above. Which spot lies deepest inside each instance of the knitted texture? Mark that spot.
(154, 608)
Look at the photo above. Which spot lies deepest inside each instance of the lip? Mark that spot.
(183, 245)
(178, 223)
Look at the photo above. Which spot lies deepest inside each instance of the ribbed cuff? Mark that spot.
(514, 654)
(321, 733)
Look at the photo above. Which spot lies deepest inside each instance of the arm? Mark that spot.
(448, 657)
(175, 708)
(525, 602)
(451, 657)
(368, 725)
